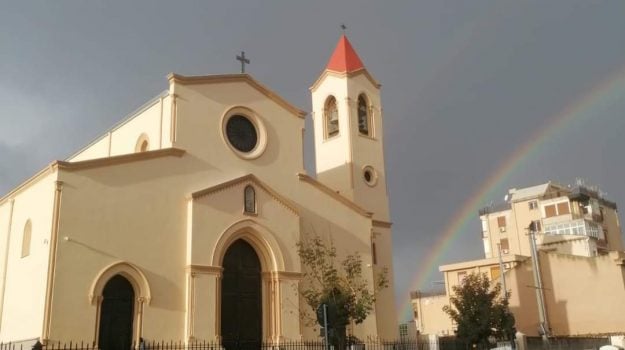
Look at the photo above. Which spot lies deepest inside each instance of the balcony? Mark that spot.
(578, 227)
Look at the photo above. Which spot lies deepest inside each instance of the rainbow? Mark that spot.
(570, 118)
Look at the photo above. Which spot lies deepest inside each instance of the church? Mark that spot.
(182, 221)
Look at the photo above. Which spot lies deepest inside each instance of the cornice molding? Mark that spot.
(380, 223)
(229, 78)
(328, 72)
(121, 159)
(288, 275)
(26, 184)
(249, 178)
(91, 163)
(327, 190)
(204, 269)
(124, 121)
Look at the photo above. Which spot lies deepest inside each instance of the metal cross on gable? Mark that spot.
(243, 61)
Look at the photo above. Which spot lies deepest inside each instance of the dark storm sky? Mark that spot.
(464, 85)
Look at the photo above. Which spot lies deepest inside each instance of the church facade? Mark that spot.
(182, 221)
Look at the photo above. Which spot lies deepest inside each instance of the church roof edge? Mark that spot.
(327, 72)
(338, 197)
(89, 164)
(227, 78)
(119, 159)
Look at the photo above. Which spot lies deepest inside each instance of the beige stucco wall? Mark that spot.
(583, 295)
(614, 235)
(152, 122)
(140, 216)
(591, 302)
(341, 159)
(23, 281)
(149, 221)
(430, 316)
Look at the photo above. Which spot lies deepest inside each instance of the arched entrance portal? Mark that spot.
(116, 316)
(241, 310)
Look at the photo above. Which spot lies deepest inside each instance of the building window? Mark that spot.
(241, 133)
(364, 116)
(249, 199)
(495, 273)
(561, 208)
(576, 227)
(501, 222)
(550, 210)
(532, 205)
(331, 115)
(26, 238)
(504, 245)
(370, 175)
(461, 276)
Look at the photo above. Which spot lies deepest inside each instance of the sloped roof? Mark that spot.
(529, 192)
(227, 78)
(344, 59)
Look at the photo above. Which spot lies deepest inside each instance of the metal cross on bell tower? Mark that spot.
(243, 61)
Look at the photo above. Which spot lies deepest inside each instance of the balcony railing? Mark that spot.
(579, 227)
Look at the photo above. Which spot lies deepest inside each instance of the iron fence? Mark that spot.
(406, 344)
(567, 343)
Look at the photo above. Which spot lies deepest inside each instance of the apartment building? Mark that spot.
(578, 237)
(574, 220)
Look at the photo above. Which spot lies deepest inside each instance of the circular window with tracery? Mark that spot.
(241, 133)
(370, 175)
(244, 132)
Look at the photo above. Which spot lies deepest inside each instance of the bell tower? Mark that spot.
(348, 127)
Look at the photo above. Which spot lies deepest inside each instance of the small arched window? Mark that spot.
(249, 199)
(331, 116)
(26, 238)
(364, 116)
(143, 144)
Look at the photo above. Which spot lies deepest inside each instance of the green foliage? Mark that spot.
(479, 311)
(342, 287)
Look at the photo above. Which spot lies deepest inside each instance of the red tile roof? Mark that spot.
(344, 59)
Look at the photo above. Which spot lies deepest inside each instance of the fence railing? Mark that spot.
(567, 343)
(442, 343)
(405, 344)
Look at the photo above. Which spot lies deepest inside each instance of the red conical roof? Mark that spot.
(344, 59)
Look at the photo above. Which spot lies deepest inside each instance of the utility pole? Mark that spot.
(540, 293)
(501, 273)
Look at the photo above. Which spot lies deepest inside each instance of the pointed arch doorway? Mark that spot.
(241, 298)
(116, 315)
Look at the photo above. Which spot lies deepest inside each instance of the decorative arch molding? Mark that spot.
(143, 143)
(131, 272)
(258, 236)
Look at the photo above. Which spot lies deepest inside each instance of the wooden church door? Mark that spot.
(241, 310)
(116, 315)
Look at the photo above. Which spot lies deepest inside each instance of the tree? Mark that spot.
(479, 311)
(342, 288)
